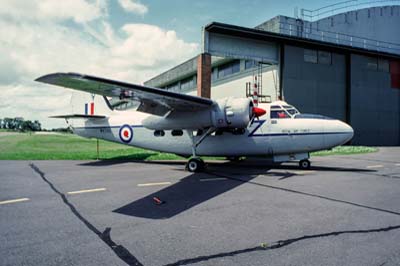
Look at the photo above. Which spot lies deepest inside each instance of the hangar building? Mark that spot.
(346, 66)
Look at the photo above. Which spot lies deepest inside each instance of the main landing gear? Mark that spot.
(305, 164)
(196, 164)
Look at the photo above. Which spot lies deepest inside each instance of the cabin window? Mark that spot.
(199, 132)
(218, 132)
(238, 131)
(176, 133)
(159, 133)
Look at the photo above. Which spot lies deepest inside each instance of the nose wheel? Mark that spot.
(305, 164)
(195, 165)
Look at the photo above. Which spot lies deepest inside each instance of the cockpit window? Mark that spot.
(278, 114)
(284, 111)
(292, 111)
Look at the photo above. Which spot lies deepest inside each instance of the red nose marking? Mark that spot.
(126, 133)
(258, 111)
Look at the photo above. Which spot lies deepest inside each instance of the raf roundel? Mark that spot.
(126, 133)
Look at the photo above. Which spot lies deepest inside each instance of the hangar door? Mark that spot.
(315, 81)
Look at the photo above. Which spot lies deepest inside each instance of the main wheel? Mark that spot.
(195, 165)
(305, 164)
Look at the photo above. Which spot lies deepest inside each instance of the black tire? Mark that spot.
(195, 165)
(305, 164)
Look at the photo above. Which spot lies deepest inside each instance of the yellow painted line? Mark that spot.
(86, 191)
(13, 201)
(213, 179)
(375, 166)
(154, 184)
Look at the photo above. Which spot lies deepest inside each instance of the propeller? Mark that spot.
(257, 111)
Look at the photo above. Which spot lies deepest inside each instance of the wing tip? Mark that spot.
(48, 78)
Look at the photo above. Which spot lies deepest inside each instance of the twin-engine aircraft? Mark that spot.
(193, 126)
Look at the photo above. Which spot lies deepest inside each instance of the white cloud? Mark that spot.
(133, 6)
(31, 48)
(78, 10)
(148, 46)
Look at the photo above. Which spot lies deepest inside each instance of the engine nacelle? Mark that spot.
(233, 113)
(226, 113)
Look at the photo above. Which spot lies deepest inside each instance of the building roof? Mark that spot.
(256, 34)
(189, 67)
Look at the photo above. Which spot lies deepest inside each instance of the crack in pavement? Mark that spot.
(105, 236)
(283, 243)
(128, 258)
(303, 193)
(278, 244)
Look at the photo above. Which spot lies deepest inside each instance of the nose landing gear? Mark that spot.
(305, 164)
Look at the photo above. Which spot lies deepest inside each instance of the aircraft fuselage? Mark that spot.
(278, 137)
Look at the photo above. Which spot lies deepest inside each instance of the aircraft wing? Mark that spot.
(153, 101)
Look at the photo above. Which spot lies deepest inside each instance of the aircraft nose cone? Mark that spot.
(347, 131)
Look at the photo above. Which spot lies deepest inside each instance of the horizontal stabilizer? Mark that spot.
(78, 116)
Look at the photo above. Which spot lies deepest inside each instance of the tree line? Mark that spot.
(20, 124)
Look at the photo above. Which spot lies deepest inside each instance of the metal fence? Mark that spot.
(341, 7)
(309, 30)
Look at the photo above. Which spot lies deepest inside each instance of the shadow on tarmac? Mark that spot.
(179, 197)
(256, 166)
(217, 179)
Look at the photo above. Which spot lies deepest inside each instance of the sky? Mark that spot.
(127, 40)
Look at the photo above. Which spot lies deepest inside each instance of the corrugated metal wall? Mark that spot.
(315, 88)
(375, 106)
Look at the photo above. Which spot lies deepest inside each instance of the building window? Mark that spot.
(173, 87)
(320, 57)
(214, 74)
(187, 84)
(383, 65)
(310, 56)
(324, 58)
(372, 63)
(249, 64)
(229, 69)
